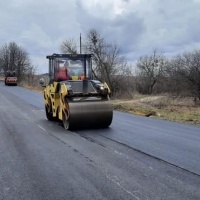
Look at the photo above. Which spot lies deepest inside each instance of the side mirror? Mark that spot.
(41, 82)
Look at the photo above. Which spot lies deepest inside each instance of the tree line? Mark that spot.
(16, 58)
(152, 74)
(179, 75)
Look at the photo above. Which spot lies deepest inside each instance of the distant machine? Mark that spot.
(10, 78)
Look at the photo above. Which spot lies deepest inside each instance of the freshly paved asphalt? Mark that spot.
(136, 158)
(175, 143)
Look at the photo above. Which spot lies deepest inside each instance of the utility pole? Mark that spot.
(80, 43)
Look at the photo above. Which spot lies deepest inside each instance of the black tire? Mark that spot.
(49, 115)
(66, 122)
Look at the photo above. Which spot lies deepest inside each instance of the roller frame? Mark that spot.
(78, 104)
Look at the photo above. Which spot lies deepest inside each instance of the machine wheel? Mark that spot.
(48, 113)
(65, 120)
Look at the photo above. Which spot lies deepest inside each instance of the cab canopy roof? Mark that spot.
(69, 56)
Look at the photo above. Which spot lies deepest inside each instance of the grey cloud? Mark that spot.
(125, 29)
(40, 26)
(170, 25)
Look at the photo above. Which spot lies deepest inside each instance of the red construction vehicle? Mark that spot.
(10, 78)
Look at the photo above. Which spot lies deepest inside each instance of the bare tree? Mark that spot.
(30, 75)
(150, 69)
(183, 74)
(69, 46)
(14, 57)
(108, 63)
(189, 70)
(174, 82)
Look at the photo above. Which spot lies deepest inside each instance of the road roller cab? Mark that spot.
(72, 95)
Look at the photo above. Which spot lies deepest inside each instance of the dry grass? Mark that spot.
(164, 107)
(37, 89)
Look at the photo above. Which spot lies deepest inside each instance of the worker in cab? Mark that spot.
(63, 73)
(74, 76)
(82, 76)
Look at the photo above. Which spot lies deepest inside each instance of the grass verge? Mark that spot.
(163, 107)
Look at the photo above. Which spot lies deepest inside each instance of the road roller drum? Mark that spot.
(91, 114)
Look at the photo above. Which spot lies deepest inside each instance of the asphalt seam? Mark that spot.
(152, 156)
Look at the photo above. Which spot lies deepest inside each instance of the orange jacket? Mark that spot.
(82, 77)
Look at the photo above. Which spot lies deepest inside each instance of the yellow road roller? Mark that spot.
(73, 97)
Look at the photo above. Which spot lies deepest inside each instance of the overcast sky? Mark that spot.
(137, 26)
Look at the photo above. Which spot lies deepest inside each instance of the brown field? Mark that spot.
(177, 109)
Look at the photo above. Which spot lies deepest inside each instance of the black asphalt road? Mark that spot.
(136, 158)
